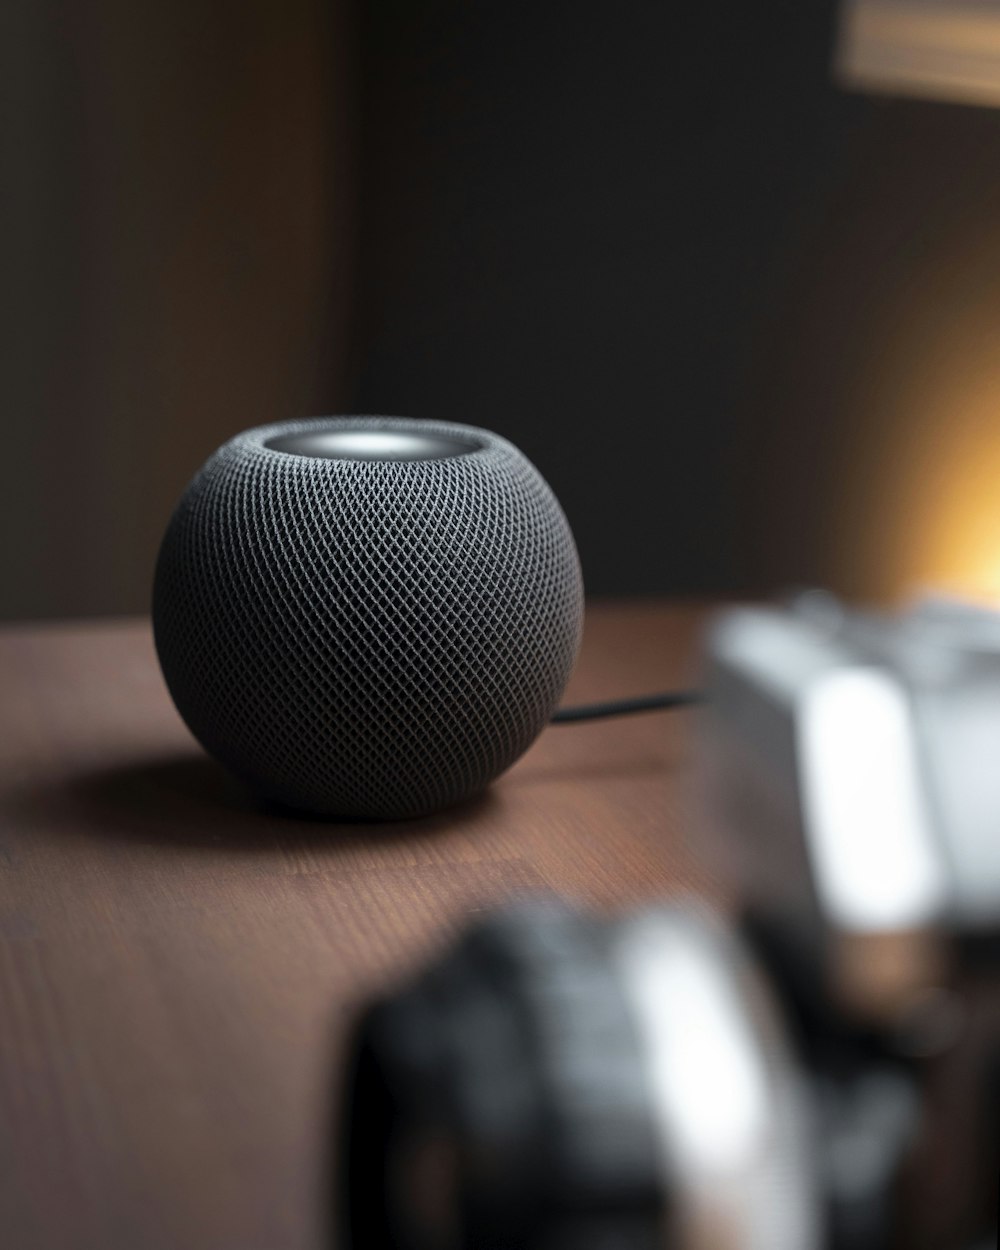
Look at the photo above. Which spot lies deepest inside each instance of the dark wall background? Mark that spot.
(175, 221)
(745, 323)
(698, 283)
(577, 223)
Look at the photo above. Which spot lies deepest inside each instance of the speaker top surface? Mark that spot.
(391, 442)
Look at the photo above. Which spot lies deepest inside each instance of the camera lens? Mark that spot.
(557, 1081)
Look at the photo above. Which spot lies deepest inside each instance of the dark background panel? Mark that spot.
(696, 281)
(745, 322)
(573, 226)
(174, 222)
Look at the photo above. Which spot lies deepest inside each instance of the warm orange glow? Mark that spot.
(944, 530)
(956, 545)
(921, 504)
(920, 476)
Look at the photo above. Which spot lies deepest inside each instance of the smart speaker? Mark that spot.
(367, 617)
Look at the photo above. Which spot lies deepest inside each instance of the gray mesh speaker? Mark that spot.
(367, 617)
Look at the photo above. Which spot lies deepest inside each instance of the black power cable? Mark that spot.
(628, 707)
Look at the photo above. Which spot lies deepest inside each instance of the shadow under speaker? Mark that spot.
(367, 617)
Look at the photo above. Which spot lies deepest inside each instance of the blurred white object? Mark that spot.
(856, 759)
(942, 49)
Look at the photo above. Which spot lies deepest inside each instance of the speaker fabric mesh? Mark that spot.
(367, 638)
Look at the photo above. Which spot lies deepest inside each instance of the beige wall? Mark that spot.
(177, 217)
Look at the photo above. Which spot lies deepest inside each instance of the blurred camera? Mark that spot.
(816, 1071)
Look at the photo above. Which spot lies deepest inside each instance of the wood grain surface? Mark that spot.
(177, 965)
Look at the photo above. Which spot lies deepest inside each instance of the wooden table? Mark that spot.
(177, 966)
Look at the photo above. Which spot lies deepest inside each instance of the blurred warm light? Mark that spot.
(948, 524)
(921, 500)
(921, 474)
(963, 549)
(943, 49)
